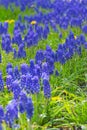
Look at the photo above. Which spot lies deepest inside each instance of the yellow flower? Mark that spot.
(33, 22)
(75, 37)
(10, 21)
(57, 98)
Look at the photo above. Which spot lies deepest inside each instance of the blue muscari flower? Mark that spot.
(29, 38)
(35, 39)
(3, 44)
(10, 72)
(11, 113)
(24, 68)
(45, 68)
(28, 83)
(82, 39)
(21, 52)
(1, 114)
(9, 65)
(45, 31)
(9, 81)
(16, 89)
(71, 35)
(15, 53)
(85, 45)
(37, 70)
(39, 56)
(32, 67)
(84, 29)
(64, 22)
(45, 76)
(46, 88)
(16, 73)
(23, 81)
(53, 25)
(67, 55)
(23, 97)
(29, 108)
(22, 102)
(39, 30)
(35, 87)
(17, 38)
(5, 27)
(0, 58)
(45, 34)
(71, 51)
(29, 42)
(21, 28)
(21, 107)
(59, 54)
(50, 62)
(60, 47)
(49, 53)
(76, 22)
(1, 28)
(1, 82)
(6, 42)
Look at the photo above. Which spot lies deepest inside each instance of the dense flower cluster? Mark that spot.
(63, 14)
(35, 77)
(29, 78)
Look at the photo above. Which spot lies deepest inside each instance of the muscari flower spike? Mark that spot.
(46, 88)
(29, 108)
(16, 89)
(11, 113)
(1, 82)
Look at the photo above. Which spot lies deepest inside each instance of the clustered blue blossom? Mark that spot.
(33, 77)
(62, 13)
(28, 79)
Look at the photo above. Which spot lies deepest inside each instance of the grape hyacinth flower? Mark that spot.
(15, 53)
(1, 82)
(16, 73)
(46, 88)
(10, 72)
(1, 114)
(21, 51)
(1, 117)
(35, 85)
(9, 65)
(28, 83)
(24, 69)
(39, 56)
(31, 67)
(29, 108)
(22, 102)
(85, 45)
(9, 81)
(23, 82)
(11, 113)
(16, 89)
(84, 29)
